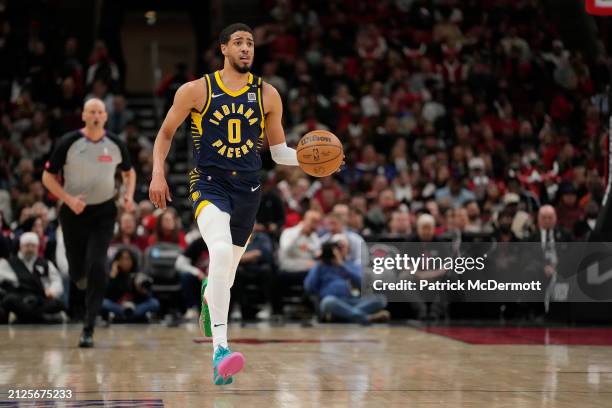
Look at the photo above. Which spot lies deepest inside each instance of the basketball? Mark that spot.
(319, 153)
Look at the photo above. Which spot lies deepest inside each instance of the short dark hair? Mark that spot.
(227, 32)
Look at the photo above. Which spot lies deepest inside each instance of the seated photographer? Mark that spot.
(33, 284)
(128, 292)
(336, 224)
(332, 280)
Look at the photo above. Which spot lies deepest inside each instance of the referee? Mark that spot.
(87, 159)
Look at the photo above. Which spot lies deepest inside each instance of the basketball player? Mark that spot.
(231, 111)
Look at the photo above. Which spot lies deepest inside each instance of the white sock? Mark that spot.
(214, 226)
(238, 252)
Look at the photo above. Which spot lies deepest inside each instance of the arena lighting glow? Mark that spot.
(599, 7)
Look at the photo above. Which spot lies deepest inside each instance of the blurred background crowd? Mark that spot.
(473, 113)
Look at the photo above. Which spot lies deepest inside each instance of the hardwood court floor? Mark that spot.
(324, 366)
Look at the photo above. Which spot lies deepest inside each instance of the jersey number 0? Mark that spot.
(233, 130)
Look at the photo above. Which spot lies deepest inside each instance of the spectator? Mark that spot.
(128, 292)
(400, 226)
(168, 229)
(102, 67)
(299, 247)
(431, 246)
(454, 194)
(100, 90)
(336, 222)
(295, 196)
(328, 194)
(548, 230)
(378, 216)
(330, 281)
(549, 253)
(254, 273)
(568, 211)
(271, 211)
(120, 116)
(35, 285)
(474, 223)
(192, 267)
(374, 102)
(169, 85)
(126, 233)
(586, 225)
(521, 220)
(503, 231)
(6, 237)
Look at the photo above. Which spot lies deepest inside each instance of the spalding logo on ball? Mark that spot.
(319, 153)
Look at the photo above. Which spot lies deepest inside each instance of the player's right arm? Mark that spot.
(188, 96)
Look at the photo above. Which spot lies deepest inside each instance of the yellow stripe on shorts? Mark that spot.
(203, 204)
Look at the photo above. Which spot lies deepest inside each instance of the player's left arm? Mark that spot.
(281, 153)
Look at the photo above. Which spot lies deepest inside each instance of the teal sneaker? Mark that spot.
(225, 364)
(204, 320)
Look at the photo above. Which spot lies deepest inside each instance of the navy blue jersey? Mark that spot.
(229, 131)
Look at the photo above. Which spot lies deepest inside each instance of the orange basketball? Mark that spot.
(319, 153)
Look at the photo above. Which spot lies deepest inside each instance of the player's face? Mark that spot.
(240, 50)
(94, 114)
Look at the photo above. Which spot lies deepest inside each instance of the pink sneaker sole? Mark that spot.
(231, 365)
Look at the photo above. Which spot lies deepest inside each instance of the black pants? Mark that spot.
(252, 288)
(31, 308)
(282, 284)
(87, 237)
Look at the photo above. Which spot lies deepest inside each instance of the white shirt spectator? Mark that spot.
(51, 282)
(297, 251)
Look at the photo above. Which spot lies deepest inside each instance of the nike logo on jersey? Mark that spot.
(215, 96)
(255, 188)
(221, 324)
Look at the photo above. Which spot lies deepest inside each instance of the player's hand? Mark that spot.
(159, 191)
(76, 203)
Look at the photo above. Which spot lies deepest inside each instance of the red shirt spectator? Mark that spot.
(127, 233)
(167, 229)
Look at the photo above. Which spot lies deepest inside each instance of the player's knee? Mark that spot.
(221, 250)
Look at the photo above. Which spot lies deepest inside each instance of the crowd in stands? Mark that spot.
(459, 119)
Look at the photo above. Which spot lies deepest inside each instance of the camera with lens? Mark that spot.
(143, 282)
(327, 252)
